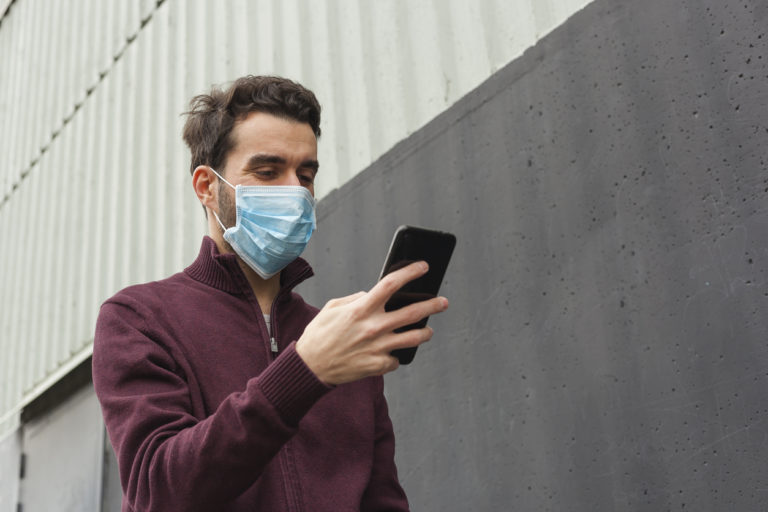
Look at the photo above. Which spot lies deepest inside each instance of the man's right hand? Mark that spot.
(352, 337)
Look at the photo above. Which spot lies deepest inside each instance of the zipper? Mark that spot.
(273, 346)
(291, 479)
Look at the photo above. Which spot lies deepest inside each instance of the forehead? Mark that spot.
(266, 133)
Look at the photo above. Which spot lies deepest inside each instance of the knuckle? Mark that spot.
(418, 336)
(387, 365)
(417, 314)
(376, 366)
(356, 312)
(411, 315)
(370, 331)
(390, 283)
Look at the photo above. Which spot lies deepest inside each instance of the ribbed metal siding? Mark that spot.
(95, 189)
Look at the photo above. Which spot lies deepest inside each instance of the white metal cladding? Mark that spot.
(95, 193)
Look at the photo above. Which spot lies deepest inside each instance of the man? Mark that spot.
(221, 389)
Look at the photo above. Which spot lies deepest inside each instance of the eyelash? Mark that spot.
(270, 173)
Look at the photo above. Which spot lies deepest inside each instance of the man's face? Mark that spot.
(267, 150)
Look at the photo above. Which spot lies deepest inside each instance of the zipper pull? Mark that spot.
(273, 345)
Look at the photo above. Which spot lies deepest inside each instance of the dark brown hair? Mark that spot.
(212, 116)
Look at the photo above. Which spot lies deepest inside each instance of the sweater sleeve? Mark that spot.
(169, 459)
(384, 492)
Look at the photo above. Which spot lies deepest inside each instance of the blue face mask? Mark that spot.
(274, 224)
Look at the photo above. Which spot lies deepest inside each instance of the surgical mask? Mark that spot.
(273, 226)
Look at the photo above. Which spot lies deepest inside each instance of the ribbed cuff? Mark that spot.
(291, 386)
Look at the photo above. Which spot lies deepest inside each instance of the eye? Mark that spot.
(307, 178)
(265, 173)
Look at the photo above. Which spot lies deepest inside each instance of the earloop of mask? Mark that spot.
(219, 221)
(222, 178)
(274, 224)
(228, 183)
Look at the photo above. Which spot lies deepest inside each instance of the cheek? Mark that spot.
(227, 210)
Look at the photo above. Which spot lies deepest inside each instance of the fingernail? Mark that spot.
(424, 266)
(444, 303)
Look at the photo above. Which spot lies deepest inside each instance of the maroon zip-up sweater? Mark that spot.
(204, 416)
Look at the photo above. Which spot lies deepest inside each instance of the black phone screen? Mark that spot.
(412, 244)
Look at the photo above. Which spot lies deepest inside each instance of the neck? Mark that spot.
(265, 290)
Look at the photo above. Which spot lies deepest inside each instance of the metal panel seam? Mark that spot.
(78, 104)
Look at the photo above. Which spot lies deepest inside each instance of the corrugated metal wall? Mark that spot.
(95, 192)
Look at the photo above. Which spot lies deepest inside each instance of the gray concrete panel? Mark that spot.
(64, 450)
(606, 344)
(111, 491)
(10, 457)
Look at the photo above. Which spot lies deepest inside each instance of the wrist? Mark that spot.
(290, 385)
(310, 361)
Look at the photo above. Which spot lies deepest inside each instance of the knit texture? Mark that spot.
(203, 417)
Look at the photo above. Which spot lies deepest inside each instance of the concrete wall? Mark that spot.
(605, 349)
(10, 453)
(606, 344)
(64, 457)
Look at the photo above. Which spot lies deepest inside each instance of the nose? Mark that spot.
(291, 178)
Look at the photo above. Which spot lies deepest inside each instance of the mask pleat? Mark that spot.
(274, 225)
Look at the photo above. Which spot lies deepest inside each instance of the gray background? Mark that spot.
(62, 457)
(606, 344)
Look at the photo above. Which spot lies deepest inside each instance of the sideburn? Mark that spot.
(226, 201)
(227, 210)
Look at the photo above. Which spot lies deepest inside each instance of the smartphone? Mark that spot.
(412, 244)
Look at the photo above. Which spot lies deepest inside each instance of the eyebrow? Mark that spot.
(264, 158)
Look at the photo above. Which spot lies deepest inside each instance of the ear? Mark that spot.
(206, 186)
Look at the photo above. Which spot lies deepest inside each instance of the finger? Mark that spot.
(394, 364)
(414, 312)
(407, 339)
(344, 300)
(389, 364)
(392, 282)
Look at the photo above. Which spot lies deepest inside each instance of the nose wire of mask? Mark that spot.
(273, 226)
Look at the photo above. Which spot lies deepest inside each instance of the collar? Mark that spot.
(223, 271)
